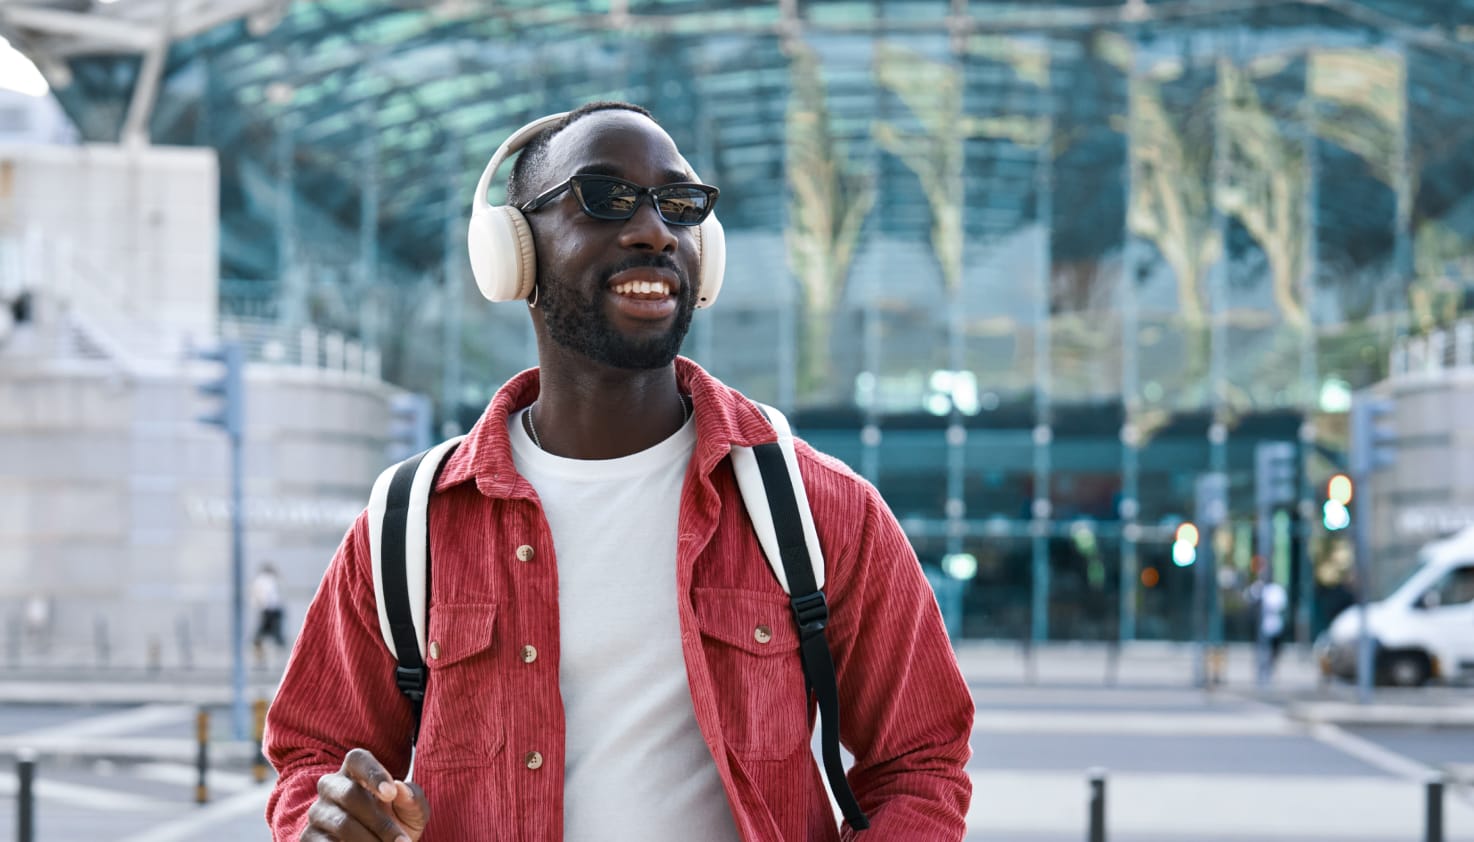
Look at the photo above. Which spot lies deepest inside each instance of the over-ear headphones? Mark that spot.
(499, 240)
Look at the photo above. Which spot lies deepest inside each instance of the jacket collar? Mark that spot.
(724, 418)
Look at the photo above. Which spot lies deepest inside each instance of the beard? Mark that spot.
(579, 323)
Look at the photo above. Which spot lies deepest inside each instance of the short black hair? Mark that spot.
(529, 164)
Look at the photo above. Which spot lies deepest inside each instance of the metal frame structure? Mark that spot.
(344, 128)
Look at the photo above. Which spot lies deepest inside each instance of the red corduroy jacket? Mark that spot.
(905, 711)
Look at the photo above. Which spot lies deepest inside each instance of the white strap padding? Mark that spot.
(755, 498)
(414, 539)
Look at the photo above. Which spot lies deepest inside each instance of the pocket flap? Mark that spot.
(459, 631)
(759, 623)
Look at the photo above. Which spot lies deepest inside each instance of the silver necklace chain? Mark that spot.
(532, 427)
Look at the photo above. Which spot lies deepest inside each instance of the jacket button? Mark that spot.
(529, 654)
(434, 649)
(524, 553)
(762, 634)
(534, 760)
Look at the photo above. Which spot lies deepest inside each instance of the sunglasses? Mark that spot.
(607, 197)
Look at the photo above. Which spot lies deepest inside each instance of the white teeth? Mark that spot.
(641, 288)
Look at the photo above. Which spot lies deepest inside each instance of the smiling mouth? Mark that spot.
(643, 289)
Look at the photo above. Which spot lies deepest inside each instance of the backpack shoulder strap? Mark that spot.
(399, 543)
(755, 499)
(773, 493)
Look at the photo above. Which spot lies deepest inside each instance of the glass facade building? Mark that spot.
(1033, 269)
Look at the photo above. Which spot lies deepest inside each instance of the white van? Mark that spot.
(1423, 629)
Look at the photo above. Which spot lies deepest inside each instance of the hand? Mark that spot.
(362, 802)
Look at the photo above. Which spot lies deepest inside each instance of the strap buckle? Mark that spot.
(411, 682)
(811, 613)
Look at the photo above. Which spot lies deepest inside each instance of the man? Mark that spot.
(266, 598)
(610, 657)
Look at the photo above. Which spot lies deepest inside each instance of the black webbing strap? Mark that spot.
(811, 614)
(410, 672)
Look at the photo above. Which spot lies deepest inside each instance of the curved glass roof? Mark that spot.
(419, 92)
(918, 139)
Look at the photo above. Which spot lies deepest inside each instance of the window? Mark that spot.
(1456, 588)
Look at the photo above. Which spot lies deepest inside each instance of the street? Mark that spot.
(1181, 764)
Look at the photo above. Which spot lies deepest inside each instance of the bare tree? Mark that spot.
(828, 203)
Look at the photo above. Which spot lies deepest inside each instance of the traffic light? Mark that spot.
(960, 566)
(1276, 474)
(1185, 547)
(409, 425)
(1335, 515)
(228, 389)
(1372, 439)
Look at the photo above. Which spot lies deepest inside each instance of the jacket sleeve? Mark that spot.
(905, 711)
(338, 692)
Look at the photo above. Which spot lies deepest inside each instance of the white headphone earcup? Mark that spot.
(502, 255)
(713, 251)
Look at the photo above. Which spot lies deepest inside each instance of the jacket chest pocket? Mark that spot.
(751, 647)
(463, 721)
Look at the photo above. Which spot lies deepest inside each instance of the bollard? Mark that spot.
(258, 764)
(1217, 667)
(25, 801)
(1097, 831)
(202, 733)
(1433, 820)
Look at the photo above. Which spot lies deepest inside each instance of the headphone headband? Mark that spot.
(519, 139)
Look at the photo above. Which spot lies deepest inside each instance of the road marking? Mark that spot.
(1134, 724)
(179, 750)
(197, 825)
(1015, 804)
(181, 775)
(1180, 700)
(1369, 752)
(90, 797)
(115, 723)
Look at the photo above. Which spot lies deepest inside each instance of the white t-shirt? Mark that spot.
(1272, 611)
(637, 766)
(265, 594)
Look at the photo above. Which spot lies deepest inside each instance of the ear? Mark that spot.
(499, 239)
(503, 257)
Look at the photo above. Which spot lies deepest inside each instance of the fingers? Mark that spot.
(410, 807)
(360, 765)
(357, 804)
(331, 823)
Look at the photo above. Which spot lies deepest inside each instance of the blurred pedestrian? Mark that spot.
(1272, 600)
(267, 602)
(38, 622)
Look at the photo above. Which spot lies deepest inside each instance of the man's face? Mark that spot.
(619, 292)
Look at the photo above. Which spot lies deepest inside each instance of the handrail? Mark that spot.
(1433, 355)
(98, 310)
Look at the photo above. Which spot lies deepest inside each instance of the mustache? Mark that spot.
(647, 261)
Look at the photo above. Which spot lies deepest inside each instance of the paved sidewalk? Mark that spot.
(1237, 763)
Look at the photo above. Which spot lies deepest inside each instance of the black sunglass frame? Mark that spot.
(575, 182)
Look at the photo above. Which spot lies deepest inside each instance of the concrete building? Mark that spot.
(1428, 492)
(114, 506)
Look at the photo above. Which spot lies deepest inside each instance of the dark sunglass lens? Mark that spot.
(606, 198)
(683, 205)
